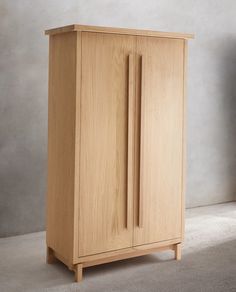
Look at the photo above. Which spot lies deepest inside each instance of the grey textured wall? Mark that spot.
(23, 91)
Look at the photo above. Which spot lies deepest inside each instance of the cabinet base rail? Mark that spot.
(85, 262)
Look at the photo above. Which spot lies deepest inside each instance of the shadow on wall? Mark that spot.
(228, 75)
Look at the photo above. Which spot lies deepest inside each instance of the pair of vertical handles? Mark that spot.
(130, 152)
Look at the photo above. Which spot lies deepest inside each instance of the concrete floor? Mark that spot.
(208, 263)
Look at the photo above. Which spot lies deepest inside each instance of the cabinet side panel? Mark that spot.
(77, 147)
(185, 60)
(61, 143)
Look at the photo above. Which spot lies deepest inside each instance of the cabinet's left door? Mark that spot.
(105, 204)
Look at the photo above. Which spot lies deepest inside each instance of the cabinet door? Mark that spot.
(158, 204)
(105, 207)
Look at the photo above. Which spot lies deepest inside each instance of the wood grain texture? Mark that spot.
(130, 137)
(177, 249)
(131, 254)
(77, 146)
(61, 144)
(115, 30)
(103, 160)
(161, 141)
(116, 144)
(184, 155)
(78, 272)
(141, 140)
(128, 252)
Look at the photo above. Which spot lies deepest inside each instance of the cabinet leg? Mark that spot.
(78, 272)
(178, 251)
(50, 256)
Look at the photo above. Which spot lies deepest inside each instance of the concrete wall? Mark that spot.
(23, 94)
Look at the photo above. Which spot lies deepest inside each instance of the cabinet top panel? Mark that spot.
(128, 31)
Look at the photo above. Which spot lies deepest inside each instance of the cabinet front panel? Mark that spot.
(103, 154)
(158, 204)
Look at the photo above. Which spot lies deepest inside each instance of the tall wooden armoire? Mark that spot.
(116, 144)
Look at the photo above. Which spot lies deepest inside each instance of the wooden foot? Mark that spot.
(178, 251)
(50, 256)
(78, 272)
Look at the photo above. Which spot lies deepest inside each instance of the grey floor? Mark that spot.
(208, 263)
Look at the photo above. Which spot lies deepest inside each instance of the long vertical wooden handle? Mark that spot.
(130, 136)
(142, 83)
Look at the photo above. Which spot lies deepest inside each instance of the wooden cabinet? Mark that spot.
(116, 144)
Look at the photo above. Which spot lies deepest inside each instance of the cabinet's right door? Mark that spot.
(158, 211)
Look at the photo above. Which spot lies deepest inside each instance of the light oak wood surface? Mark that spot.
(78, 272)
(184, 156)
(115, 30)
(131, 250)
(177, 249)
(130, 138)
(77, 146)
(106, 85)
(125, 255)
(61, 143)
(161, 140)
(116, 144)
